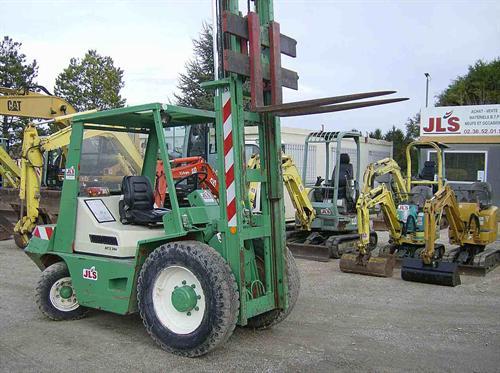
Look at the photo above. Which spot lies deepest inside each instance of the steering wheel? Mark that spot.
(185, 190)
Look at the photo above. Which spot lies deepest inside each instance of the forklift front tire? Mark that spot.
(188, 298)
(271, 318)
(55, 295)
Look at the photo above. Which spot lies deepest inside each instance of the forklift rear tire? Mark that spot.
(55, 295)
(188, 298)
(271, 318)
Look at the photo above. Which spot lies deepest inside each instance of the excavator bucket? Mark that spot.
(318, 253)
(438, 273)
(374, 266)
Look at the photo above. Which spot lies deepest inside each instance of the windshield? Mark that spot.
(107, 157)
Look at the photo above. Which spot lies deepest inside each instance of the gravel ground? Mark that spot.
(341, 322)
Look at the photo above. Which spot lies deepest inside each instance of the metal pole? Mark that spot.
(427, 78)
(215, 29)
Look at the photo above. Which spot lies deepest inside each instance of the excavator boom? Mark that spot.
(363, 262)
(31, 104)
(304, 210)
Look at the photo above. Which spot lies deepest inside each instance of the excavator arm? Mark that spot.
(371, 197)
(9, 170)
(443, 200)
(30, 104)
(383, 167)
(363, 262)
(296, 190)
(298, 194)
(366, 201)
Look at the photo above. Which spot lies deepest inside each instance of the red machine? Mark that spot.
(183, 168)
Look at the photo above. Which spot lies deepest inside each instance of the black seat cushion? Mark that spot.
(428, 171)
(137, 206)
(346, 172)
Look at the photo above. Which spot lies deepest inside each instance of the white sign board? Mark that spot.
(99, 210)
(477, 120)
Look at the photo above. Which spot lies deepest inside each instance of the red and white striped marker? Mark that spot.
(43, 231)
(229, 159)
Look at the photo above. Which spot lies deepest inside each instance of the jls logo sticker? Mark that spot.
(90, 274)
(70, 173)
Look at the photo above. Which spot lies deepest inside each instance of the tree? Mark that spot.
(377, 134)
(18, 73)
(412, 126)
(199, 69)
(480, 86)
(91, 83)
(397, 136)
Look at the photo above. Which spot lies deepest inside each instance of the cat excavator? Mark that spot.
(31, 189)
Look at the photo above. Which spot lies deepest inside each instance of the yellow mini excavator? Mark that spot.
(472, 226)
(412, 214)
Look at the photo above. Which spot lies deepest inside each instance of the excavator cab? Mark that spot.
(340, 191)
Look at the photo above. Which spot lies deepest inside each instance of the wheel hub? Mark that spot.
(178, 299)
(63, 296)
(184, 298)
(66, 292)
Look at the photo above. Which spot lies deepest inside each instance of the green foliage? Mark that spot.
(15, 72)
(377, 134)
(199, 69)
(480, 86)
(397, 136)
(91, 83)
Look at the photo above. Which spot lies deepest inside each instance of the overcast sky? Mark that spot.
(343, 46)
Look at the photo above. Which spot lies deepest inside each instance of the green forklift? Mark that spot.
(197, 266)
(334, 231)
(193, 268)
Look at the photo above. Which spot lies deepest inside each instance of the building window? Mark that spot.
(296, 151)
(466, 167)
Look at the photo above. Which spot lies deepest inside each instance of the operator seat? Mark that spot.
(428, 171)
(137, 207)
(345, 173)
